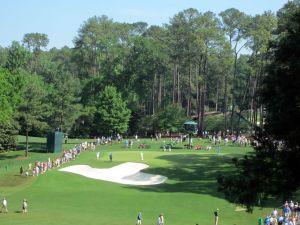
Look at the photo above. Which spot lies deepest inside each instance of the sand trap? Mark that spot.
(126, 173)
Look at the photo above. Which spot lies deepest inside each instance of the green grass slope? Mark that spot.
(188, 197)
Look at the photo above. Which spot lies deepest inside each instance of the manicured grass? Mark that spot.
(188, 197)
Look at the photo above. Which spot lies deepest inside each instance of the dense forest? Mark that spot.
(134, 78)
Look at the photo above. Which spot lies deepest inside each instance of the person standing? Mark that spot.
(219, 150)
(142, 156)
(21, 171)
(126, 143)
(110, 156)
(274, 213)
(66, 139)
(280, 220)
(4, 205)
(30, 166)
(216, 213)
(160, 220)
(97, 155)
(24, 206)
(139, 218)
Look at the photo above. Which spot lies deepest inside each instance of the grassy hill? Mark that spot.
(188, 197)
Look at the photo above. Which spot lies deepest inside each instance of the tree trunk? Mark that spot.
(225, 106)
(178, 88)
(189, 109)
(199, 109)
(202, 101)
(153, 94)
(242, 106)
(174, 83)
(202, 109)
(61, 122)
(26, 150)
(233, 92)
(217, 96)
(204, 88)
(198, 99)
(261, 118)
(159, 92)
(164, 91)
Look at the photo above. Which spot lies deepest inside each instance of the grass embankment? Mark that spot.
(188, 197)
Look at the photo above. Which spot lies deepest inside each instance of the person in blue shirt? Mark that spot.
(267, 220)
(280, 220)
(286, 211)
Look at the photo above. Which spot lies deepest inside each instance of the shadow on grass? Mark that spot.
(191, 173)
(33, 147)
(197, 173)
(5, 156)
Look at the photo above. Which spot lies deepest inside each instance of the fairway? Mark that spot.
(189, 196)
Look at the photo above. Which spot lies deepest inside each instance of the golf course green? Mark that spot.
(189, 196)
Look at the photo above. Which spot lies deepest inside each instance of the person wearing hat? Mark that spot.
(24, 206)
(216, 213)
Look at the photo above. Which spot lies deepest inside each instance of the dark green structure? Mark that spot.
(191, 128)
(54, 141)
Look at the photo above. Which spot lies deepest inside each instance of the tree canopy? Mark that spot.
(112, 115)
(269, 170)
(196, 63)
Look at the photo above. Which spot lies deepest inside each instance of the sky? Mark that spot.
(61, 19)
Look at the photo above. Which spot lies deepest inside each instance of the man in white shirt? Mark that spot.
(274, 213)
(160, 220)
(4, 205)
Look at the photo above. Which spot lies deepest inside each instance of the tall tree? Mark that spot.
(275, 160)
(143, 65)
(236, 25)
(17, 57)
(31, 109)
(8, 135)
(158, 39)
(170, 118)
(10, 95)
(64, 101)
(262, 27)
(35, 42)
(97, 41)
(210, 37)
(3, 56)
(10, 98)
(112, 115)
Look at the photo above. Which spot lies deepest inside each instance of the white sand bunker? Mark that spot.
(126, 173)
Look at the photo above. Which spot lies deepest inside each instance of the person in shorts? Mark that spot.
(139, 218)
